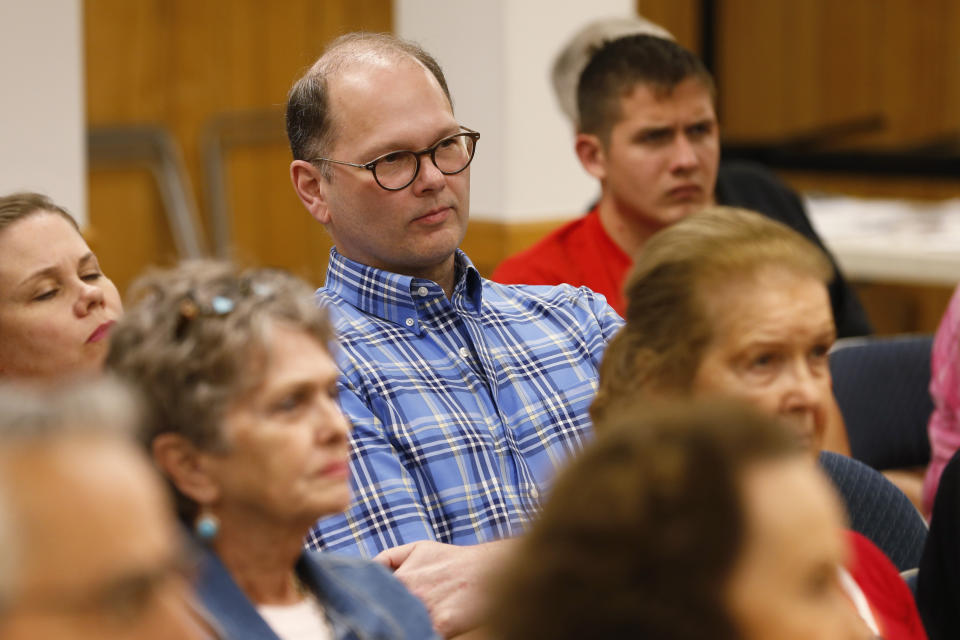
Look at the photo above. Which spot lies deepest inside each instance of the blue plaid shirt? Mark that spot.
(462, 409)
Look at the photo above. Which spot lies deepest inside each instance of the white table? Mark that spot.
(899, 241)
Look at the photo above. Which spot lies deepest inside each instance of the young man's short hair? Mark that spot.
(620, 65)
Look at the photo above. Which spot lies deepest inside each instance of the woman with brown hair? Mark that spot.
(729, 303)
(727, 280)
(56, 305)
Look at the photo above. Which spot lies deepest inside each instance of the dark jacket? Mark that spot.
(938, 582)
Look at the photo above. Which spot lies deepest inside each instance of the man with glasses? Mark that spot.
(89, 547)
(465, 395)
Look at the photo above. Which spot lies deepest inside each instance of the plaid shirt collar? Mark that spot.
(394, 297)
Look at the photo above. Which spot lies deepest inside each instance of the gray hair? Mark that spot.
(576, 53)
(103, 407)
(34, 415)
(196, 340)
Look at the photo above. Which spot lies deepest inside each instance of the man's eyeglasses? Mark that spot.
(398, 169)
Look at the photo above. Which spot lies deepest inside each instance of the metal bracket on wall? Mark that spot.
(154, 148)
(221, 133)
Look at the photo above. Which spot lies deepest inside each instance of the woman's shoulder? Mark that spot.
(366, 592)
(338, 566)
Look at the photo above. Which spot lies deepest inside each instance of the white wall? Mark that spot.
(42, 128)
(497, 55)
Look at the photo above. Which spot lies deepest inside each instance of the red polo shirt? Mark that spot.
(600, 264)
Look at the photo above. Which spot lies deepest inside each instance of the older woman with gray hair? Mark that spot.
(242, 388)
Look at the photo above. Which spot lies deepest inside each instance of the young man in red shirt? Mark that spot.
(647, 130)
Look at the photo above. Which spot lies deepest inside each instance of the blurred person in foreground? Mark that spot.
(938, 579)
(729, 303)
(690, 522)
(89, 547)
(241, 389)
(646, 128)
(56, 305)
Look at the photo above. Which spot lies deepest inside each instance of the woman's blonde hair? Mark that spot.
(668, 328)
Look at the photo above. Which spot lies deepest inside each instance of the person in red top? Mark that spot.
(578, 253)
(647, 131)
(888, 596)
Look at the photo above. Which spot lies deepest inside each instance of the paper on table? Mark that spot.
(899, 240)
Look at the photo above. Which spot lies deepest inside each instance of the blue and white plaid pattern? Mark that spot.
(462, 409)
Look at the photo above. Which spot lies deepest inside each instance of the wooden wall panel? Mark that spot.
(899, 308)
(136, 234)
(786, 68)
(920, 55)
(679, 17)
(271, 226)
(179, 63)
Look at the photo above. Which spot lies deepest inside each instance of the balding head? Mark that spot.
(310, 118)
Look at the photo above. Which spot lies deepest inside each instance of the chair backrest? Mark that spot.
(881, 386)
(878, 510)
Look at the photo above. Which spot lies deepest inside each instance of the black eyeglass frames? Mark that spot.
(397, 170)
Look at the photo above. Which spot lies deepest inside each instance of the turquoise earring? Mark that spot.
(206, 526)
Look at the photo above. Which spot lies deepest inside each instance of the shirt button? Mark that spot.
(408, 322)
(535, 493)
(422, 291)
(464, 352)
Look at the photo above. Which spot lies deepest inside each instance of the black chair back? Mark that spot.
(878, 510)
(882, 388)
